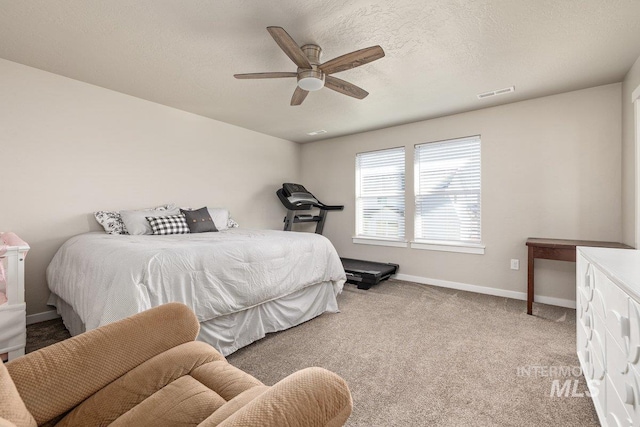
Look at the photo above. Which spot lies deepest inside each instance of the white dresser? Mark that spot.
(608, 331)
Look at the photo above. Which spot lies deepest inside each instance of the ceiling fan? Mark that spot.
(313, 75)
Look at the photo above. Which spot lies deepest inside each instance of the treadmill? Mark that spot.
(296, 198)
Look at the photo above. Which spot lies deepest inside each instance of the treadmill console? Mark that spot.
(289, 189)
(297, 195)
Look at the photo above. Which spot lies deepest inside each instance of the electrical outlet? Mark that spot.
(515, 264)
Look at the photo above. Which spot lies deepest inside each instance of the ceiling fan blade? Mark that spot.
(276, 75)
(346, 88)
(352, 60)
(289, 46)
(298, 96)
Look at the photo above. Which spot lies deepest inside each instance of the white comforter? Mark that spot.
(108, 277)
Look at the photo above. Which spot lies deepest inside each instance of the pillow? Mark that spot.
(171, 224)
(220, 218)
(136, 221)
(199, 221)
(111, 222)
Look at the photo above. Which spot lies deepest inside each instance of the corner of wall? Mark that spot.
(629, 157)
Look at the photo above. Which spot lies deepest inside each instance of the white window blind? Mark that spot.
(447, 189)
(380, 194)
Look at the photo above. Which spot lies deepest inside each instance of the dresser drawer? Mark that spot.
(593, 359)
(591, 291)
(617, 415)
(598, 301)
(585, 277)
(597, 348)
(581, 337)
(617, 312)
(633, 348)
(586, 320)
(588, 316)
(625, 380)
(582, 303)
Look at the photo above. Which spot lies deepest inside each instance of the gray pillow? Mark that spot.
(136, 221)
(199, 221)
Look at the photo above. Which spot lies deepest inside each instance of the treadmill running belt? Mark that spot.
(367, 273)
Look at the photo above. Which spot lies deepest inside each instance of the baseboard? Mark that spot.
(42, 317)
(486, 290)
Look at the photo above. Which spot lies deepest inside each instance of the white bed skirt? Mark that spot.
(233, 331)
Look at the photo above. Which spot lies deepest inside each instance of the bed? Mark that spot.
(240, 283)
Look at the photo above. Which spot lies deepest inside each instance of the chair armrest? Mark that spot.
(6, 423)
(311, 397)
(55, 379)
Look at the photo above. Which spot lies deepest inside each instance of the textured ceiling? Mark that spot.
(439, 54)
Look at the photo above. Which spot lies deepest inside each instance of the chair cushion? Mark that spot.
(182, 386)
(183, 402)
(12, 408)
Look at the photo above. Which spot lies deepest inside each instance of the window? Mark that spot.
(447, 190)
(380, 195)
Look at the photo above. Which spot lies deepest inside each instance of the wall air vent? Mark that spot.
(317, 132)
(496, 92)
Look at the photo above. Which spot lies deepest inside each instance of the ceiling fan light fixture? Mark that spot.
(311, 80)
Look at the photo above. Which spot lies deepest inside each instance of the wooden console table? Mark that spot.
(557, 249)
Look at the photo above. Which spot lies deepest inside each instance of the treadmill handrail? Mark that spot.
(305, 204)
(330, 207)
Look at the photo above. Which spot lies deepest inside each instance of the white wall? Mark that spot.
(629, 84)
(550, 168)
(68, 148)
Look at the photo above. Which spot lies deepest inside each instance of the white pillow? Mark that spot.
(220, 218)
(136, 221)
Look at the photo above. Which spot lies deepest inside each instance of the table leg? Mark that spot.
(530, 282)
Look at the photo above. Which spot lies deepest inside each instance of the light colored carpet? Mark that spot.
(417, 355)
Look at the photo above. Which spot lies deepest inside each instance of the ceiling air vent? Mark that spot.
(496, 92)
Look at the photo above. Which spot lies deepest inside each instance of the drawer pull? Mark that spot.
(589, 369)
(625, 327)
(634, 346)
(634, 354)
(587, 277)
(629, 398)
(588, 282)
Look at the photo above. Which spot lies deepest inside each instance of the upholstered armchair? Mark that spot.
(147, 370)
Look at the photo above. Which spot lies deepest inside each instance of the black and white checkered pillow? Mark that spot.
(172, 224)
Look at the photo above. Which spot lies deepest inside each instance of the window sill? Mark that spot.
(452, 247)
(380, 242)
